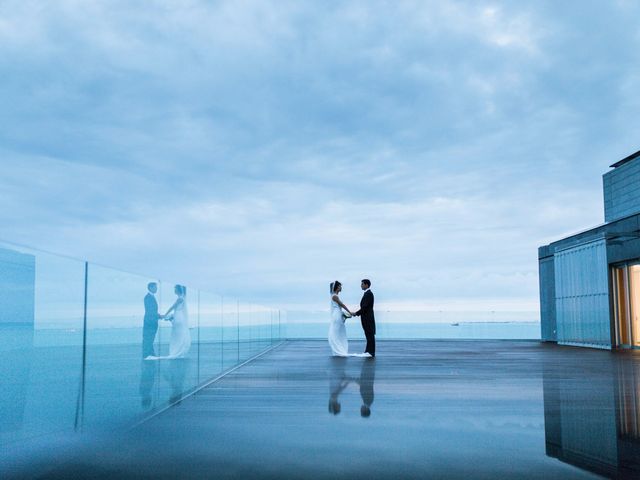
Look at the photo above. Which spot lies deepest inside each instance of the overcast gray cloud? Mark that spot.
(264, 148)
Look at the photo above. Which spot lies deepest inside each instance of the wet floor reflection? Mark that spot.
(367, 379)
(592, 412)
(338, 381)
(340, 378)
(438, 409)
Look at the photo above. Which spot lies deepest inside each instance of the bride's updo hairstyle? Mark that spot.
(181, 290)
(334, 286)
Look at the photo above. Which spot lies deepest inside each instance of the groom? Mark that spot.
(151, 317)
(367, 318)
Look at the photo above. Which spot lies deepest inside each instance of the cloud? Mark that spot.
(261, 149)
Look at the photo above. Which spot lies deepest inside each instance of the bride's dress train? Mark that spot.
(180, 342)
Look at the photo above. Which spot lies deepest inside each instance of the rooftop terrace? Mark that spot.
(439, 409)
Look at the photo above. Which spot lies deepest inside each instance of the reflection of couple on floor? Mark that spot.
(177, 314)
(339, 380)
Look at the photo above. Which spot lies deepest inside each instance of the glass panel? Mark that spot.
(273, 326)
(231, 350)
(61, 373)
(634, 296)
(256, 321)
(117, 378)
(166, 297)
(282, 324)
(41, 325)
(245, 331)
(210, 335)
(177, 375)
(265, 328)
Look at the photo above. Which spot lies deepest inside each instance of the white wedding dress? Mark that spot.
(338, 332)
(180, 342)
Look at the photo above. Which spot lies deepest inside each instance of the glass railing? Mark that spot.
(74, 337)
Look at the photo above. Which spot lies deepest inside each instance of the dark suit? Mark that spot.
(150, 327)
(368, 320)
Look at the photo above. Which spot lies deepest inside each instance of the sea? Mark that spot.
(424, 325)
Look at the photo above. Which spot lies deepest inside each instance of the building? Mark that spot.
(590, 282)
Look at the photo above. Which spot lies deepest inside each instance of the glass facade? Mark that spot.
(626, 283)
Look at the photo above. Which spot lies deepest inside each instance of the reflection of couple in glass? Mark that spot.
(339, 380)
(177, 314)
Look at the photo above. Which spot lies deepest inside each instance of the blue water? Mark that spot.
(459, 330)
(133, 335)
(398, 330)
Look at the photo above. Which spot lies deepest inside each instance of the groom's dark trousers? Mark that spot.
(150, 326)
(368, 320)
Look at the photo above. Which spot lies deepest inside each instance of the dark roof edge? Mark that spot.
(626, 159)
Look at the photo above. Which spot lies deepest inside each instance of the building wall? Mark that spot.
(624, 248)
(547, 296)
(622, 191)
(582, 295)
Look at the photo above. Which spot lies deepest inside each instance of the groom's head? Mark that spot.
(152, 287)
(366, 283)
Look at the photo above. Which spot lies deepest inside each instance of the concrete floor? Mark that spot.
(437, 409)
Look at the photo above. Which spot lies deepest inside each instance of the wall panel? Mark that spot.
(582, 295)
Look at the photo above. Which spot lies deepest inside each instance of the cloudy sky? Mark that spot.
(262, 149)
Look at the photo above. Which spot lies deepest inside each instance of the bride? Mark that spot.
(337, 330)
(180, 342)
